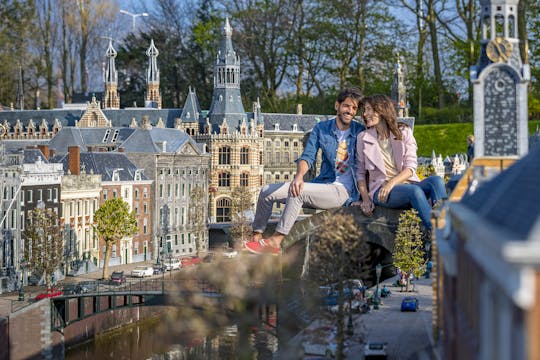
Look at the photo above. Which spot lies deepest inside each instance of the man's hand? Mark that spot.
(297, 185)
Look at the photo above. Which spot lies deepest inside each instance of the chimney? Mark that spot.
(121, 149)
(45, 150)
(74, 158)
(298, 109)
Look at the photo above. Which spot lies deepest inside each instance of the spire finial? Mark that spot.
(227, 29)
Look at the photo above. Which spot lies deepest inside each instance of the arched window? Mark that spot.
(224, 179)
(286, 157)
(223, 210)
(224, 155)
(244, 179)
(244, 156)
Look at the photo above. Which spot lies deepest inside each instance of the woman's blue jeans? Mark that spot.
(421, 196)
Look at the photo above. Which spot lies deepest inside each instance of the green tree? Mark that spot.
(409, 253)
(43, 243)
(198, 211)
(113, 222)
(240, 206)
(15, 32)
(338, 253)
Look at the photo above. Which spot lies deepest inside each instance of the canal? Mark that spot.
(255, 315)
(158, 338)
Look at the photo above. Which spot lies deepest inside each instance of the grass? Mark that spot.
(448, 139)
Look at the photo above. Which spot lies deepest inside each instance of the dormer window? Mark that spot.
(115, 135)
(295, 127)
(138, 175)
(106, 137)
(276, 127)
(116, 175)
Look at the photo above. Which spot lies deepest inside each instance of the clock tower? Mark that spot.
(500, 81)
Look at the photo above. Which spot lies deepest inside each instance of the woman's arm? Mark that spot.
(360, 170)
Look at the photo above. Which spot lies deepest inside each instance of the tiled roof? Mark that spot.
(511, 199)
(286, 121)
(32, 155)
(68, 117)
(104, 164)
(130, 139)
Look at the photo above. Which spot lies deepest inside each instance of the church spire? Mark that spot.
(226, 99)
(112, 100)
(399, 91)
(153, 96)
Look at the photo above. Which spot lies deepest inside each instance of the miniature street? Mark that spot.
(408, 334)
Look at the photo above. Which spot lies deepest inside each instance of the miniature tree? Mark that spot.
(241, 204)
(197, 214)
(43, 243)
(339, 254)
(409, 245)
(113, 221)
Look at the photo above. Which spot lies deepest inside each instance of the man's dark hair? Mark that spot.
(352, 92)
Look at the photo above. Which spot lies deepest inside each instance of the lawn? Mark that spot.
(448, 139)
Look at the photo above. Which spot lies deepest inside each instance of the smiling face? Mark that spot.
(371, 117)
(346, 112)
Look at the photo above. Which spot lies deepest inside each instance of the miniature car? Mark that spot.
(49, 294)
(118, 277)
(142, 271)
(190, 260)
(375, 350)
(172, 264)
(409, 304)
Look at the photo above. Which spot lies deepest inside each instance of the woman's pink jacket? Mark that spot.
(370, 163)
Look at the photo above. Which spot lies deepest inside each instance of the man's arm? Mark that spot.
(297, 185)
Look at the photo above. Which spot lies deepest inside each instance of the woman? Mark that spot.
(386, 155)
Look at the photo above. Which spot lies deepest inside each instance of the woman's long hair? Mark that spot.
(385, 108)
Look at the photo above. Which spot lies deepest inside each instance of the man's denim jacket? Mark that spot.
(324, 136)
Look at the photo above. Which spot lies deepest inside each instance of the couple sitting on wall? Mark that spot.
(384, 153)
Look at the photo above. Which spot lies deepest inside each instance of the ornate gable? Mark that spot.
(188, 149)
(93, 117)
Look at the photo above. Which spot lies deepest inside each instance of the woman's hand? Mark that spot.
(385, 190)
(367, 207)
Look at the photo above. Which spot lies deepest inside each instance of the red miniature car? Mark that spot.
(190, 260)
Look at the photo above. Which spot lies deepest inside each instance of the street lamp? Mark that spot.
(21, 288)
(378, 270)
(133, 16)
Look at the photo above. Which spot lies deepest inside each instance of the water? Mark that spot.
(161, 339)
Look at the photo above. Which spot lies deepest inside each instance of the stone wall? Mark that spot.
(30, 335)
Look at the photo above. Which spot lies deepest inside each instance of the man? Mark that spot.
(335, 186)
